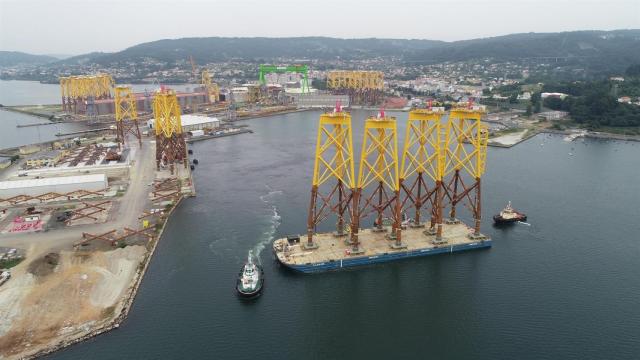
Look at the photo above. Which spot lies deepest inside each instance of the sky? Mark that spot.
(80, 26)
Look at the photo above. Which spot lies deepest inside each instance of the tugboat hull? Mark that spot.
(498, 220)
(246, 293)
(250, 294)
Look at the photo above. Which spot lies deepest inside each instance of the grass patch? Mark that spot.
(506, 131)
(8, 264)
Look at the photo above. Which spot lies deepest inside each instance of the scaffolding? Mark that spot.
(422, 164)
(84, 90)
(363, 87)
(170, 145)
(126, 115)
(378, 168)
(333, 168)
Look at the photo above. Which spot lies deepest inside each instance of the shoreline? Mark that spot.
(257, 116)
(127, 303)
(589, 135)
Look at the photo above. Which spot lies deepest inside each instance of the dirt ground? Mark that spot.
(86, 290)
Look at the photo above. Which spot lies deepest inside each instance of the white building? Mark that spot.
(545, 95)
(553, 115)
(193, 122)
(61, 185)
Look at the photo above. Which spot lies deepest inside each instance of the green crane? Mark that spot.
(299, 69)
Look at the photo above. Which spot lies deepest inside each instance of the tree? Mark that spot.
(535, 102)
(633, 70)
(554, 103)
(529, 110)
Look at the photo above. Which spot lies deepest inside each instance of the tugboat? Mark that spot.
(509, 215)
(250, 279)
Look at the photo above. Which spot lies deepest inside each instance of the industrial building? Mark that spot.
(144, 102)
(314, 100)
(193, 122)
(60, 185)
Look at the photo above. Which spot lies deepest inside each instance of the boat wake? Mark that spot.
(524, 223)
(272, 226)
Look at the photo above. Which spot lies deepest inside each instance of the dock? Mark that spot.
(223, 134)
(333, 252)
(84, 132)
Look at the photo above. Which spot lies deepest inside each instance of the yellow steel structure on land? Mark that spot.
(125, 104)
(361, 80)
(166, 112)
(212, 89)
(126, 114)
(379, 166)
(170, 145)
(334, 161)
(82, 87)
(64, 88)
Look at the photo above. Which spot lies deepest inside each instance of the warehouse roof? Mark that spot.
(62, 180)
(187, 120)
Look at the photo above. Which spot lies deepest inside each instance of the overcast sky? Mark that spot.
(80, 26)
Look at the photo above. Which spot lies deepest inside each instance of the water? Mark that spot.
(565, 287)
(16, 92)
(12, 136)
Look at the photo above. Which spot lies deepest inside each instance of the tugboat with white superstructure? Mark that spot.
(509, 215)
(250, 280)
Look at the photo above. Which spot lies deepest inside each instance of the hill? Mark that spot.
(213, 49)
(11, 58)
(597, 50)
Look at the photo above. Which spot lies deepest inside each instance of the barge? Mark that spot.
(333, 253)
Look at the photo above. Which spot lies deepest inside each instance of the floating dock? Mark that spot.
(334, 253)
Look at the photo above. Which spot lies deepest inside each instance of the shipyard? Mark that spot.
(100, 197)
(240, 180)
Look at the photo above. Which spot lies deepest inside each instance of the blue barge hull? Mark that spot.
(354, 261)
